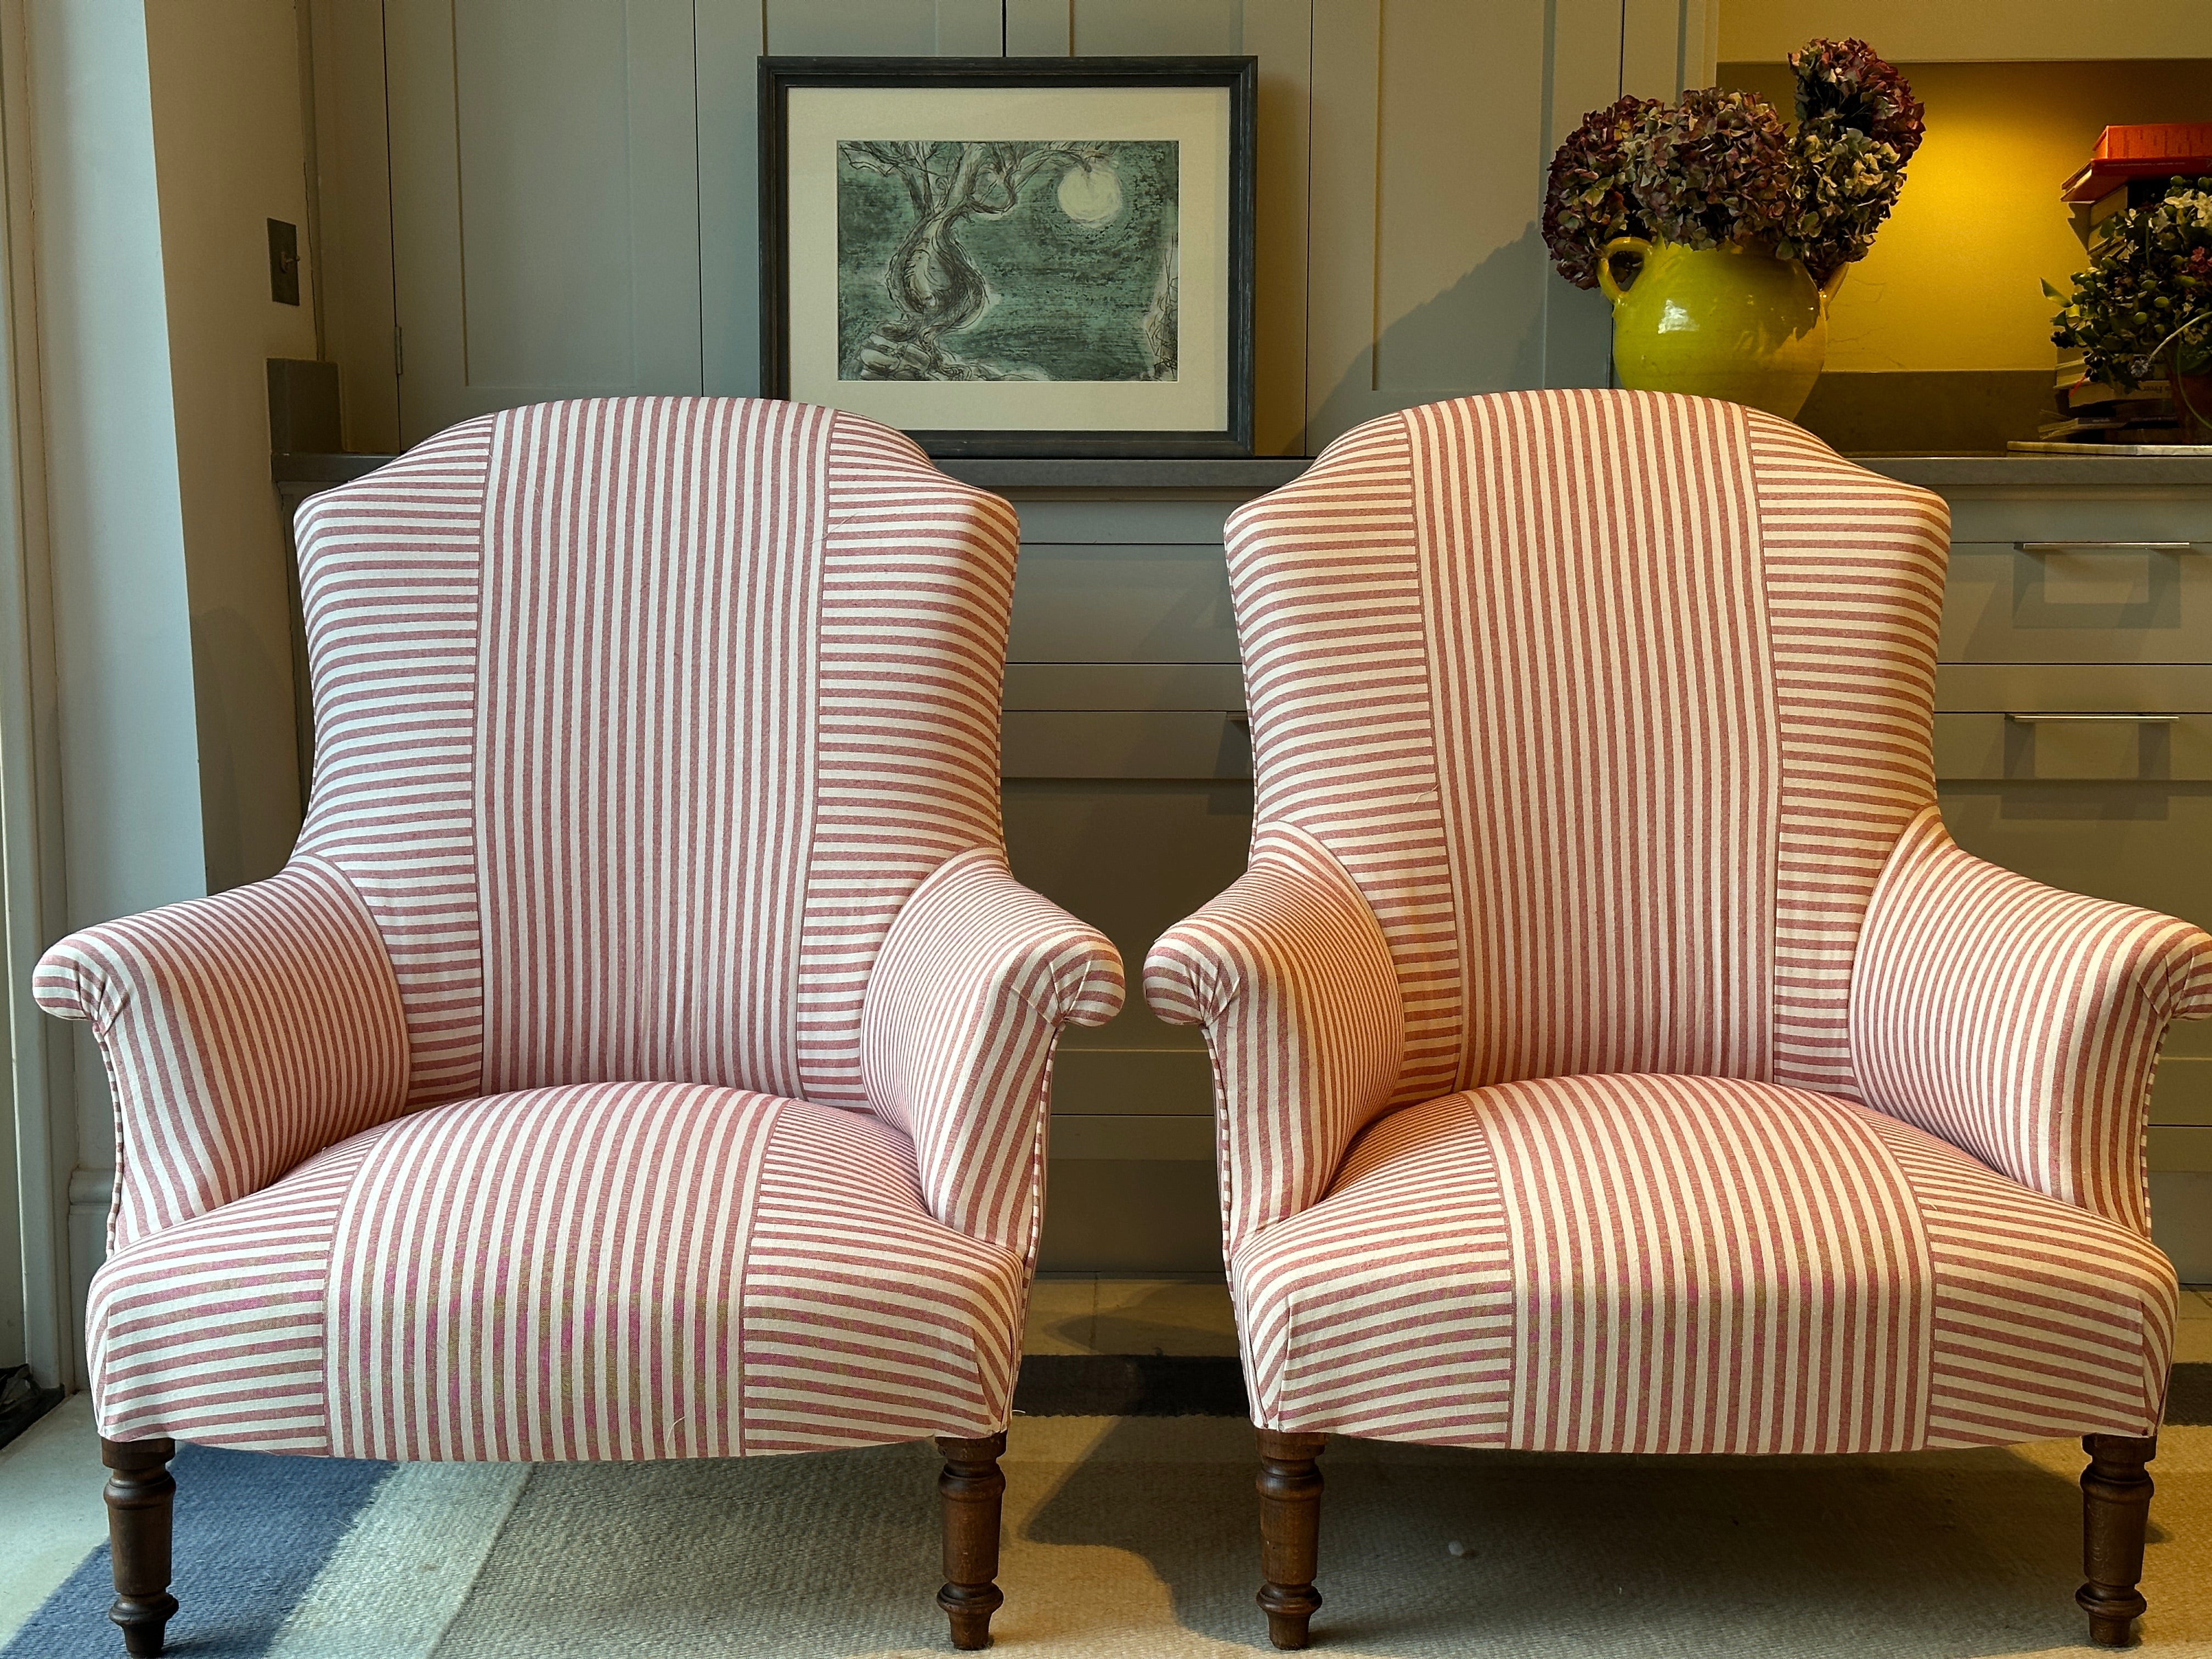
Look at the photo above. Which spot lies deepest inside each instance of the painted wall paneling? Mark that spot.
(351, 213)
(1433, 126)
(545, 203)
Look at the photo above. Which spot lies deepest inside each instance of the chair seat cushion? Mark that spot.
(623, 1270)
(1687, 1264)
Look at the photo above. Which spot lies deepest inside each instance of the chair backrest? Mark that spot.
(1613, 704)
(637, 718)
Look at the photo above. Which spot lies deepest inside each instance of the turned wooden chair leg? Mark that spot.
(972, 1488)
(2115, 1508)
(139, 1494)
(1290, 1532)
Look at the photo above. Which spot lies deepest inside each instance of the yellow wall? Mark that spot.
(1954, 279)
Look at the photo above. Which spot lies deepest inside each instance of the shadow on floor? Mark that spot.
(1927, 1557)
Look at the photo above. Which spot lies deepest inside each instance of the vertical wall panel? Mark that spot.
(731, 39)
(1039, 28)
(889, 28)
(1577, 323)
(546, 202)
(353, 181)
(1429, 277)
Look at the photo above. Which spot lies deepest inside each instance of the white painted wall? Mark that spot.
(124, 692)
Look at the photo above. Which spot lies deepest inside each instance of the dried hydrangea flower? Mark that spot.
(1846, 84)
(1716, 170)
(1586, 202)
(1843, 184)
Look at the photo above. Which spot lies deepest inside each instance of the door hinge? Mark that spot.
(398, 352)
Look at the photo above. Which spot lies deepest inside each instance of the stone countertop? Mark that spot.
(1252, 476)
(1987, 469)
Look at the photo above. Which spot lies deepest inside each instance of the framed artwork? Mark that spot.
(1013, 256)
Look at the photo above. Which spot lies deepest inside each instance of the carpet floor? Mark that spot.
(1135, 1538)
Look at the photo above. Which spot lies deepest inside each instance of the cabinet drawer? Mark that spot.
(2075, 746)
(1185, 744)
(1140, 602)
(2051, 688)
(2078, 601)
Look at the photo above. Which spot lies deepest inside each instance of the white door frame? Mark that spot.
(37, 1080)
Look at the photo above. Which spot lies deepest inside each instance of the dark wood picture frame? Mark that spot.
(1240, 75)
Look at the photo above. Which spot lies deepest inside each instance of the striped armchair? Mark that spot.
(1614, 1053)
(644, 1054)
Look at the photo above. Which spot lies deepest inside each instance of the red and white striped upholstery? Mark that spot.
(1613, 1053)
(644, 1052)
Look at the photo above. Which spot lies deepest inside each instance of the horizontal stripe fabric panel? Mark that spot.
(1721, 1095)
(644, 1052)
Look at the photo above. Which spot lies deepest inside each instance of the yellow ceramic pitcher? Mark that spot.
(1731, 322)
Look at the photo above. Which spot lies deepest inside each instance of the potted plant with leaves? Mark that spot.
(1738, 227)
(2142, 312)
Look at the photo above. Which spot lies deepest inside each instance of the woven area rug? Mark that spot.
(1135, 1538)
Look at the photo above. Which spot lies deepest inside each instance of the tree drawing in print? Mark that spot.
(1011, 260)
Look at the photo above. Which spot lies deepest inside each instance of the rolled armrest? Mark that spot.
(1289, 973)
(242, 1033)
(964, 1007)
(2021, 1024)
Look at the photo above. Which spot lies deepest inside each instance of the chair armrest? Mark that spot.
(241, 1034)
(2021, 1024)
(1289, 973)
(963, 1008)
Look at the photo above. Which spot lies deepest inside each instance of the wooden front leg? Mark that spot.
(2115, 1509)
(139, 1499)
(972, 1489)
(1290, 1532)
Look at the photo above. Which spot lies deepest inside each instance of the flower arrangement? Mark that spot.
(1720, 167)
(2147, 298)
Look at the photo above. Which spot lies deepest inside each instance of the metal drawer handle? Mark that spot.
(2107, 547)
(2040, 719)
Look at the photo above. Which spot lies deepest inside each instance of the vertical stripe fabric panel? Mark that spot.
(547, 1277)
(1291, 976)
(1707, 1266)
(390, 584)
(970, 989)
(652, 569)
(2020, 1022)
(1605, 730)
(242, 1034)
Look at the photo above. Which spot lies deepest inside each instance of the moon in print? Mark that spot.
(1089, 197)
